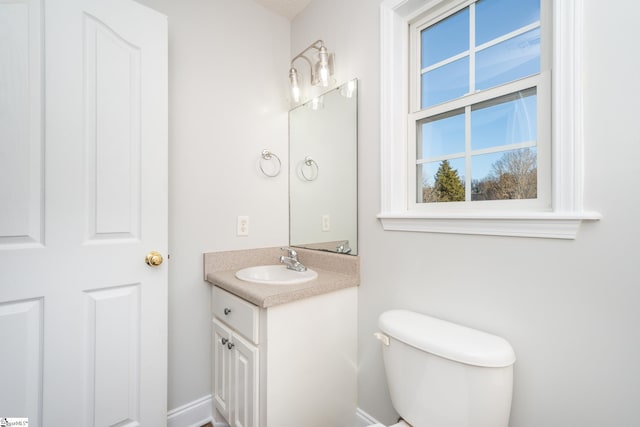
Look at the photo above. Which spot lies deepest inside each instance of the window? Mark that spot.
(470, 123)
(478, 75)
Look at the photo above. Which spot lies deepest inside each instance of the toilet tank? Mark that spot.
(445, 375)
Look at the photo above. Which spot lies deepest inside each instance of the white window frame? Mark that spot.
(566, 214)
(540, 81)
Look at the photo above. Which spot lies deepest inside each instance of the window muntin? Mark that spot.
(499, 126)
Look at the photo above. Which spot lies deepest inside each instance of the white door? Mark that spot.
(83, 199)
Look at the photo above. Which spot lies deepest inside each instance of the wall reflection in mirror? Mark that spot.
(323, 162)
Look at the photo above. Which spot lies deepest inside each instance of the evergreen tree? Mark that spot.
(448, 186)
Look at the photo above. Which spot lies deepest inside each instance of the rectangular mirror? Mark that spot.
(323, 172)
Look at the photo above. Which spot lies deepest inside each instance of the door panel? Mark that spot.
(21, 138)
(112, 105)
(21, 368)
(113, 355)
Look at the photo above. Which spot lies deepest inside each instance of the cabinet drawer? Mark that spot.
(237, 313)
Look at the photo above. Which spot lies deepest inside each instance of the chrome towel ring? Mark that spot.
(268, 156)
(313, 167)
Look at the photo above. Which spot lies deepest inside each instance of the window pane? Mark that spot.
(441, 135)
(505, 175)
(448, 82)
(445, 39)
(508, 61)
(510, 119)
(441, 181)
(495, 18)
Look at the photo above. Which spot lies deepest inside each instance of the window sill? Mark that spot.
(549, 225)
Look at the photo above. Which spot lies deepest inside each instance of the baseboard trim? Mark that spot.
(193, 414)
(363, 419)
(200, 412)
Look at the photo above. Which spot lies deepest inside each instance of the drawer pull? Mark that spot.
(227, 311)
(230, 345)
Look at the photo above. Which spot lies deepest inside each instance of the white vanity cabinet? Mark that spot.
(292, 364)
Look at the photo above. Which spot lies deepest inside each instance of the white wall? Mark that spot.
(228, 63)
(569, 308)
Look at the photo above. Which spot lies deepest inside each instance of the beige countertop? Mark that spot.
(335, 272)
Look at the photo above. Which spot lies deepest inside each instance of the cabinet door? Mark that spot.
(221, 371)
(245, 388)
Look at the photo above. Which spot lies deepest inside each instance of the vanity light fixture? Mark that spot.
(321, 71)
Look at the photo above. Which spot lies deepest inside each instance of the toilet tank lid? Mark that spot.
(447, 340)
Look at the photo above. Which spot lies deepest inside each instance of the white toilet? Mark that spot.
(445, 375)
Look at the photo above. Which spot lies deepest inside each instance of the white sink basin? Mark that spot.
(275, 275)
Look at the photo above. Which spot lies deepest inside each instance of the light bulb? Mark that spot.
(295, 93)
(324, 76)
(295, 88)
(322, 67)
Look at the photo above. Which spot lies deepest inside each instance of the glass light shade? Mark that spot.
(323, 75)
(295, 87)
(322, 67)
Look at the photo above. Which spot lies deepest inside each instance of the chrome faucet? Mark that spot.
(291, 260)
(343, 248)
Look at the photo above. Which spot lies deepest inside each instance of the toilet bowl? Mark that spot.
(445, 375)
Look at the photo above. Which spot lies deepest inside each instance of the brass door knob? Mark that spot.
(153, 259)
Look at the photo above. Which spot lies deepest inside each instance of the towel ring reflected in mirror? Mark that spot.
(313, 169)
(270, 158)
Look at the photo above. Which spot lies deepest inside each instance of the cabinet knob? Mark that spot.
(227, 311)
(230, 345)
(223, 341)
